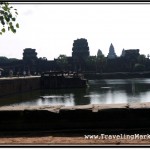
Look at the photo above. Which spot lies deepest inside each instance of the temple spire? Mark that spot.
(111, 54)
(123, 53)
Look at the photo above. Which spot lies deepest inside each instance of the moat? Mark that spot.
(109, 91)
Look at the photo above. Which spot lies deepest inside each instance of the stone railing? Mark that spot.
(104, 116)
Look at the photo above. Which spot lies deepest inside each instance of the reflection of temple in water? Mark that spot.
(79, 98)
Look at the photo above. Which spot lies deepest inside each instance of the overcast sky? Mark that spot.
(51, 29)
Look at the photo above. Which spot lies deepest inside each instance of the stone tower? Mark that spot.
(29, 54)
(80, 49)
(99, 53)
(111, 54)
(123, 53)
(80, 53)
(30, 59)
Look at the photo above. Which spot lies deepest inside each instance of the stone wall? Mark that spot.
(55, 82)
(23, 84)
(17, 85)
(107, 116)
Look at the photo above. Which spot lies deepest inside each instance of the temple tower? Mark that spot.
(123, 53)
(111, 54)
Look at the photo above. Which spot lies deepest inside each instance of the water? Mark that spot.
(99, 92)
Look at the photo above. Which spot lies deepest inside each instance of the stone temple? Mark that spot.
(111, 54)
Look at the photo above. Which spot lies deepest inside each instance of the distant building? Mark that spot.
(29, 53)
(99, 53)
(131, 53)
(111, 54)
(80, 49)
(30, 59)
(80, 53)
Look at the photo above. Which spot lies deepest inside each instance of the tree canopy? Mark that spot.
(62, 61)
(8, 16)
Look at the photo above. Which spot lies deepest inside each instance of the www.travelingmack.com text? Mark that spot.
(119, 136)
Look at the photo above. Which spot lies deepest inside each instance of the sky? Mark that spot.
(52, 28)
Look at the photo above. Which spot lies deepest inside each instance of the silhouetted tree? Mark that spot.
(12, 60)
(3, 60)
(62, 62)
(42, 64)
(139, 67)
(142, 59)
(91, 63)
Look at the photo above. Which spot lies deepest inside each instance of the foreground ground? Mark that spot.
(74, 138)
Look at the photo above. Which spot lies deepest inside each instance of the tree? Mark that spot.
(91, 63)
(139, 67)
(62, 62)
(8, 17)
(4, 60)
(142, 59)
(13, 60)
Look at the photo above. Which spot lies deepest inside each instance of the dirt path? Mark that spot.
(48, 138)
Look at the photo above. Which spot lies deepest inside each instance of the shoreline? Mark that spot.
(117, 75)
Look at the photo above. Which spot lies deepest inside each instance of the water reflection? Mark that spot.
(66, 99)
(122, 91)
(98, 92)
